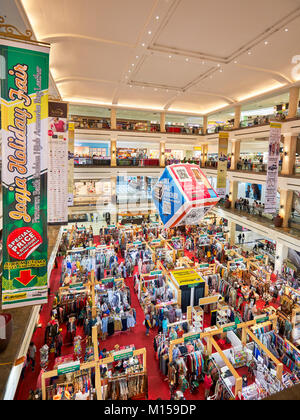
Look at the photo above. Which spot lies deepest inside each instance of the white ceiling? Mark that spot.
(179, 55)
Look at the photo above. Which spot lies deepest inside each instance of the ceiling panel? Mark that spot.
(235, 81)
(235, 22)
(196, 103)
(144, 98)
(85, 59)
(115, 20)
(97, 92)
(175, 71)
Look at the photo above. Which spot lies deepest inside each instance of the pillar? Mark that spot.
(205, 125)
(162, 154)
(281, 255)
(113, 119)
(113, 209)
(235, 154)
(237, 116)
(162, 122)
(113, 152)
(293, 101)
(289, 154)
(233, 192)
(204, 154)
(286, 203)
(232, 232)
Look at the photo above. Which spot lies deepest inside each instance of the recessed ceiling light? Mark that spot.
(266, 42)
(203, 62)
(286, 30)
(221, 71)
(132, 65)
(143, 44)
(149, 32)
(249, 52)
(156, 89)
(137, 57)
(186, 59)
(157, 18)
(129, 71)
(170, 56)
(235, 62)
(219, 65)
(130, 86)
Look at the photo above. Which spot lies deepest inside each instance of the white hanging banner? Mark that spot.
(273, 163)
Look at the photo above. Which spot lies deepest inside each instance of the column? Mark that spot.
(232, 232)
(286, 203)
(113, 152)
(113, 209)
(293, 101)
(113, 119)
(235, 154)
(162, 154)
(289, 154)
(162, 122)
(237, 116)
(233, 193)
(281, 255)
(205, 124)
(204, 153)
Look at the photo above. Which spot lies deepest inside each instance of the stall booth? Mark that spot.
(190, 285)
(177, 245)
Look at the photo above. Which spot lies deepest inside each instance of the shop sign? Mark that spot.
(68, 368)
(175, 238)
(232, 328)
(108, 280)
(204, 265)
(24, 122)
(259, 257)
(123, 355)
(192, 337)
(219, 234)
(111, 226)
(239, 260)
(156, 241)
(137, 243)
(261, 320)
(203, 236)
(76, 286)
(155, 273)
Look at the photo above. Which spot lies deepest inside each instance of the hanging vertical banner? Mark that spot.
(222, 164)
(58, 163)
(272, 173)
(71, 164)
(24, 117)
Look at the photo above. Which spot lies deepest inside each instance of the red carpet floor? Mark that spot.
(31, 378)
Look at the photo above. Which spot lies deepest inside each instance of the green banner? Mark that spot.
(192, 338)
(123, 355)
(68, 368)
(24, 118)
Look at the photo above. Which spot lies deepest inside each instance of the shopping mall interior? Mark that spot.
(150, 200)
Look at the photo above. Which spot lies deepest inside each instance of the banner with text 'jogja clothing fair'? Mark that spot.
(24, 116)
(222, 164)
(273, 164)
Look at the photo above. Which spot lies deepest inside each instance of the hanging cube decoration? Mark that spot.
(183, 195)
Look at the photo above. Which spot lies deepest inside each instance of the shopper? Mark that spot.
(207, 385)
(32, 354)
(147, 324)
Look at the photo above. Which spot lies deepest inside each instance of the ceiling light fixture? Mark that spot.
(186, 59)
(286, 30)
(157, 18)
(143, 44)
(249, 52)
(235, 62)
(219, 65)
(266, 42)
(149, 32)
(137, 57)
